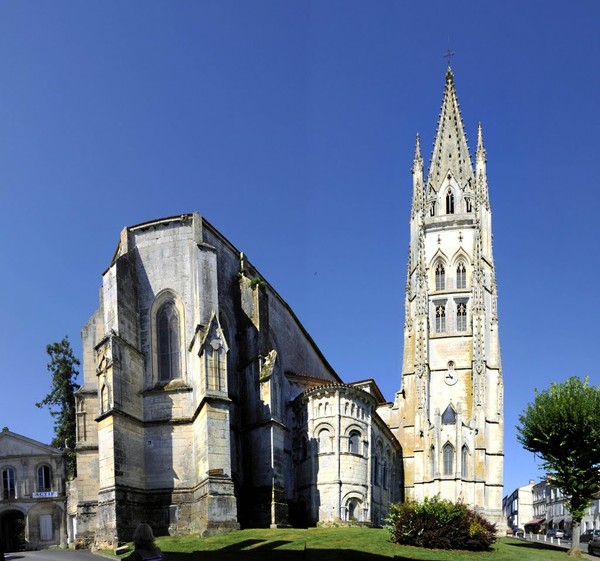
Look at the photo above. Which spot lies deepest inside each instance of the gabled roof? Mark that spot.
(450, 149)
(13, 444)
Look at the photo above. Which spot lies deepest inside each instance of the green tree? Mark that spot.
(61, 399)
(562, 426)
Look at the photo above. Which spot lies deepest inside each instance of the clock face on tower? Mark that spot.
(451, 376)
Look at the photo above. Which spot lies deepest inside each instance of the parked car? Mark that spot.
(594, 543)
(588, 534)
(519, 532)
(555, 533)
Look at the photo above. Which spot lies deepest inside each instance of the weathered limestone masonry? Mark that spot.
(206, 406)
(191, 363)
(448, 415)
(350, 469)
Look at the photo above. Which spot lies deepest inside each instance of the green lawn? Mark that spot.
(333, 544)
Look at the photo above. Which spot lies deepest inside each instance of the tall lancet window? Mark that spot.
(448, 458)
(461, 317)
(464, 462)
(432, 462)
(440, 277)
(167, 338)
(440, 319)
(449, 202)
(461, 276)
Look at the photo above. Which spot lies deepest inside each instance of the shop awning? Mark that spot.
(534, 521)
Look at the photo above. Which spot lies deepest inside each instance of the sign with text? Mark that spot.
(44, 494)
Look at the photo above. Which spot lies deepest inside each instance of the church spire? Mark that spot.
(417, 172)
(450, 149)
(480, 168)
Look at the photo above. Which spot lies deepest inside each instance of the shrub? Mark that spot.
(440, 524)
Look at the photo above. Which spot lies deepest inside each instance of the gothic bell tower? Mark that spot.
(449, 410)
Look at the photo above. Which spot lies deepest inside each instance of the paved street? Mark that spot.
(53, 555)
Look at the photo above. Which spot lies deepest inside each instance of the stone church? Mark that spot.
(206, 406)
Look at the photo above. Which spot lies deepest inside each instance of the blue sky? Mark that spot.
(290, 126)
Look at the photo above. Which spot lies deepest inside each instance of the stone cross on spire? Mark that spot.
(449, 54)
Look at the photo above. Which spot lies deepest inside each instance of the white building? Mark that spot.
(550, 511)
(518, 507)
(33, 499)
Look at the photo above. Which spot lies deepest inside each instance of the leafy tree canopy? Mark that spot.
(562, 426)
(61, 399)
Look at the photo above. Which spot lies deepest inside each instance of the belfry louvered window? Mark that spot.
(449, 202)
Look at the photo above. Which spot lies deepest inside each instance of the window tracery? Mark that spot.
(440, 277)
(440, 319)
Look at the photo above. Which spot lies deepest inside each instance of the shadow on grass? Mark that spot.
(535, 545)
(269, 552)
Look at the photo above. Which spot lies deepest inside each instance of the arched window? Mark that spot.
(461, 317)
(353, 442)
(469, 205)
(44, 479)
(104, 400)
(353, 509)
(449, 416)
(8, 484)
(461, 276)
(375, 470)
(464, 460)
(387, 467)
(440, 319)
(432, 209)
(167, 339)
(440, 277)
(449, 202)
(324, 441)
(448, 457)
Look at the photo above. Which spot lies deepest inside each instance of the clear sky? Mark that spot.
(290, 126)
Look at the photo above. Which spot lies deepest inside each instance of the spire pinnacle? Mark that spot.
(480, 138)
(417, 149)
(450, 149)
